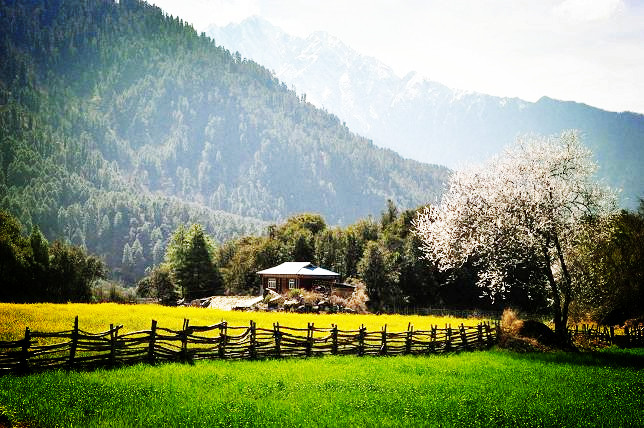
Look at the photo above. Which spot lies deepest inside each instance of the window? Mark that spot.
(291, 284)
(272, 283)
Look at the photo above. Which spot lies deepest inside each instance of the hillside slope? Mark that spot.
(119, 123)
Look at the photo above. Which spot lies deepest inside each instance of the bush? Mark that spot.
(293, 293)
(358, 300)
(106, 291)
(311, 297)
(159, 284)
(527, 335)
(510, 323)
(335, 300)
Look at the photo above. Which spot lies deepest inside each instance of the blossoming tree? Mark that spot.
(527, 204)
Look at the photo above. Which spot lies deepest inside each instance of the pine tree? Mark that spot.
(189, 258)
(381, 278)
(40, 264)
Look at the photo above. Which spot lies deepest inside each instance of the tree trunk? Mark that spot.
(566, 290)
(560, 323)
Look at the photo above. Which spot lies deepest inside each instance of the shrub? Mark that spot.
(311, 297)
(106, 291)
(510, 323)
(527, 335)
(293, 293)
(358, 300)
(158, 283)
(336, 300)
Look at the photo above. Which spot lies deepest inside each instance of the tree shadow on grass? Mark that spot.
(611, 357)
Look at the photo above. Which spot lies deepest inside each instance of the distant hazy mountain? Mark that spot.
(425, 120)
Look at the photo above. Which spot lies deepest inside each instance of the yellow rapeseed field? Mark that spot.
(94, 318)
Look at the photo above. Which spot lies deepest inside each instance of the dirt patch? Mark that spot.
(229, 303)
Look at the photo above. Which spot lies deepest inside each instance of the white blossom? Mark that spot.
(529, 201)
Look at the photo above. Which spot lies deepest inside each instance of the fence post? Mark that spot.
(112, 360)
(432, 342)
(479, 335)
(278, 338)
(488, 333)
(627, 335)
(153, 334)
(24, 352)
(223, 327)
(184, 340)
(448, 337)
(253, 341)
(383, 341)
(598, 330)
(410, 329)
(361, 335)
(334, 340)
(464, 336)
(74, 343)
(309, 339)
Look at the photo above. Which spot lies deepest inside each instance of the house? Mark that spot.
(302, 275)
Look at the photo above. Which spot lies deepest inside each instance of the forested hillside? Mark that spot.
(119, 123)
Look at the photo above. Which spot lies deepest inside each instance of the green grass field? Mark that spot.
(495, 388)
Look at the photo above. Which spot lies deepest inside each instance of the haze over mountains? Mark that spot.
(425, 120)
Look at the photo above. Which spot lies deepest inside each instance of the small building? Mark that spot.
(302, 275)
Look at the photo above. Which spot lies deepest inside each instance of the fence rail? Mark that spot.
(627, 337)
(78, 349)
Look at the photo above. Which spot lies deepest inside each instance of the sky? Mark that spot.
(589, 51)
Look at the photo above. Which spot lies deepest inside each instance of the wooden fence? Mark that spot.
(627, 337)
(79, 349)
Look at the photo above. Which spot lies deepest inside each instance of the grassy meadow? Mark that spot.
(94, 318)
(494, 388)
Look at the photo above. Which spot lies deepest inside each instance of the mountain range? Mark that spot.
(425, 120)
(120, 123)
